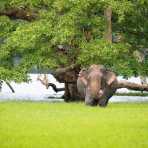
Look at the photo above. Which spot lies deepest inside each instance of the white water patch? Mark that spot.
(35, 91)
(129, 99)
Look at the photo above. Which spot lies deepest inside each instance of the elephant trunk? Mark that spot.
(133, 86)
(94, 88)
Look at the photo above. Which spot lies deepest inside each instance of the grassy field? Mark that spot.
(73, 125)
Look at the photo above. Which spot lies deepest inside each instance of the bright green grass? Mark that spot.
(73, 125)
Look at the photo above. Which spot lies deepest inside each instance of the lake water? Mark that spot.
(35, 91)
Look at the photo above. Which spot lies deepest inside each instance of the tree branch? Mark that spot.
(67, 74)
(55, 88)
(66, 69)
(45, 82)
(9, 85)
(19, 13)
(132, 86)
(1, 82)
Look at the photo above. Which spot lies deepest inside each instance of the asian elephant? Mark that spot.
(97, 85)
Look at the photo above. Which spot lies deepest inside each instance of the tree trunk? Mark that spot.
(69, 76)
(108, 18)
(71, 92)
(132, 86)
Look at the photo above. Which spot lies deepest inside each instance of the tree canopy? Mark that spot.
(50, 34)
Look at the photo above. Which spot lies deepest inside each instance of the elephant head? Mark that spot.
(96, 85)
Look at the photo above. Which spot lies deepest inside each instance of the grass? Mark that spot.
(73, 125)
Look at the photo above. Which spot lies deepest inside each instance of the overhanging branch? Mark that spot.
(68, 74)
(19, 13)
(55, 88)
(66, 69)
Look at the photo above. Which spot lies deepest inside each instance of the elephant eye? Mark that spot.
(83, 69)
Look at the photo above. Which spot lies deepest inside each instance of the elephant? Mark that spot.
(96, 85)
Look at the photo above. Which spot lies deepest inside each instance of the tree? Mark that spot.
(65, 35)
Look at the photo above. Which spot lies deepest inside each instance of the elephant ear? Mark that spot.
(84, 70)
(108, 76)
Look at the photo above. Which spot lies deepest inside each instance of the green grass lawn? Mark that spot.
(73, 125)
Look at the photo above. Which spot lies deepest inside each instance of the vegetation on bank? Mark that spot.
(132, 94)
(54, 125)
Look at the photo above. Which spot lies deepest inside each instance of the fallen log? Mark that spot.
(132, 86)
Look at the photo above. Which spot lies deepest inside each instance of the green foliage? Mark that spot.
(134, 23)
(17, 75)
(6, 26)
(113, 56)
(77, 25)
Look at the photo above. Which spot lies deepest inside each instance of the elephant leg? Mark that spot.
(108, 93)
(103, 102)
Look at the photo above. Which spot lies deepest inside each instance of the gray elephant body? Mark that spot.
(96, 85)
